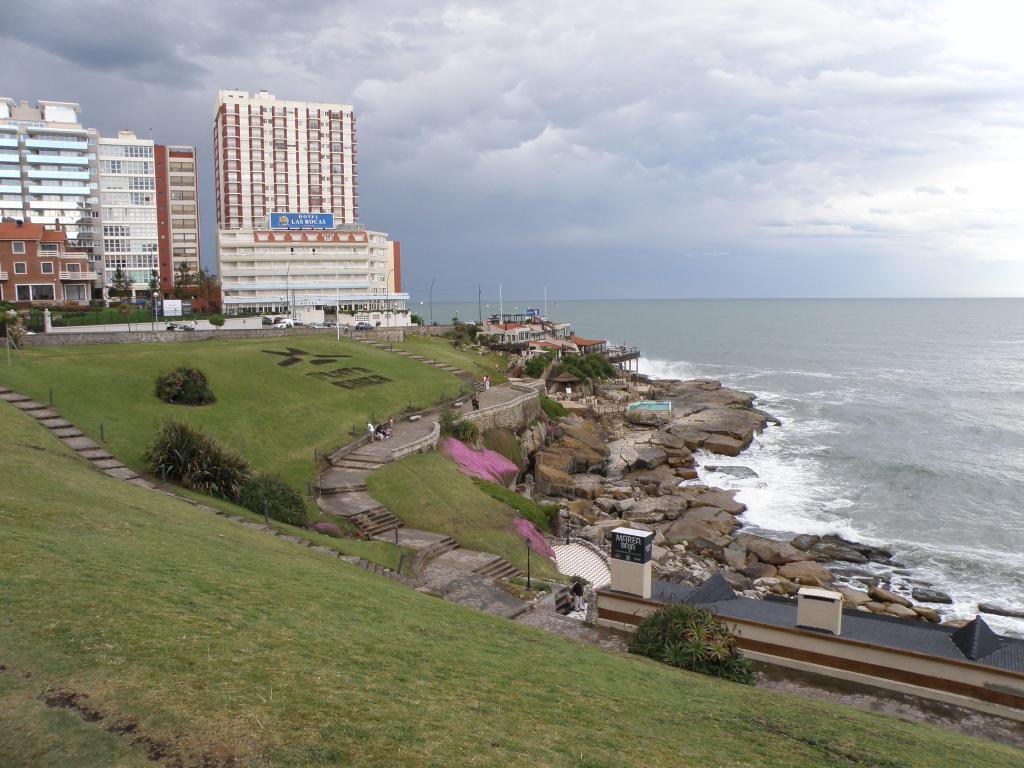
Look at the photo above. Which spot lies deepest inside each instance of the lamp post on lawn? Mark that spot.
(432, 300)
(154, 310)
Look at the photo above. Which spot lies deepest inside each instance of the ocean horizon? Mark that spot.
(902, 420)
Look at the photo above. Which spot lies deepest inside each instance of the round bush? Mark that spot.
(184, 386)
(216, 320)
(692, 638)
(271, 493)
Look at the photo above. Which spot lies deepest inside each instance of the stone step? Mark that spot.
(44, 413)
(53, 422)
(94, 453)
(106, 463)
(28, 405)
(67, 432)
(12, 397)
(4, 390)
(498, 568)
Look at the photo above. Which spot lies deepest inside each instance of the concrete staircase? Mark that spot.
(579, 560)
(498, 568)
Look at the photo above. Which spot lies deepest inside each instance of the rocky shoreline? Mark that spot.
(607, 468)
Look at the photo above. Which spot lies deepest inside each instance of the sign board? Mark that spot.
(283, 220)
(171, 307)
(632, 545)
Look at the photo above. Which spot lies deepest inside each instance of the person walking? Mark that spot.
(578, 604)
(370, 431)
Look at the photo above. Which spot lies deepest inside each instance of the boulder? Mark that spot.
(668, 441)
(587, 486)
(771, 551)
(592, 533)
(672, 507)
(734, 556)
(625, 505)
(885, 596)
(551, 481)
(827, 551)
(924, 595)
(722, 521)
(956, 623)
(649, 458)
(928, 614)
(686, 474)
(693, 439)
(724, 500)
(1001, 610)
(804, 541)
(759, 571)
(645, 418)
(726, 419)
(875, 607)
(605, 503)
(786, 587)
(807, 572)
(691, 529)
(742, 473)
(854, 597)
(580, 508)
(900, 611)
(735, 580)
(680, 459)
(723, 445)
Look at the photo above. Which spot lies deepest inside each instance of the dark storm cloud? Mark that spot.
(804, 142)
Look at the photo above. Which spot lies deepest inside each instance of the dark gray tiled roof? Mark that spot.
(883, 631)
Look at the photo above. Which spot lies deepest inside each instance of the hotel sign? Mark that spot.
(632, 545)
(282, 220)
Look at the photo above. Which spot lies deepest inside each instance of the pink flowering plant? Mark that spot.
(484, 464)
(532, 536)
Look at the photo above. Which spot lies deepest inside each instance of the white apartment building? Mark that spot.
(48, 169)
(346, 273)
(274, 155)
(288, 237)
(128, 210)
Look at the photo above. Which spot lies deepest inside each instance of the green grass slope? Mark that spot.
(491, 364)
(209, 640)
(274, 415)
(427, 491)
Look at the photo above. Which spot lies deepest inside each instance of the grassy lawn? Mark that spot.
(428, 492)
(215, 640)
(276, 416)
(442, 350)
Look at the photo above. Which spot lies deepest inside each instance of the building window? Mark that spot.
(46, 267)
(74, 292)
(35, 293)
(18, 246)
(21, 268)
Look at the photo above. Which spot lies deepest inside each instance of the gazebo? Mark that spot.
(565, 381)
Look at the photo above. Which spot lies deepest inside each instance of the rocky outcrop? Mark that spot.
(724, 500)
(885, 596)
(771, 551)
(1001, 610)
(806, 572)
(925, 595)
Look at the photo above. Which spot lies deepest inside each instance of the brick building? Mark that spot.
(36, 266)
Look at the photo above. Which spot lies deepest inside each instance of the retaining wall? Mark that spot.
(169, 337)
(516, 414)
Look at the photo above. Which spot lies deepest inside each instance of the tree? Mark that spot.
(186, 282)
(209, 288)
(152, 287)
(121, 285)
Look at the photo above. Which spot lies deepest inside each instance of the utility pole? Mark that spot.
(432, 300)
(479, 303)
(545, 302)
(501, 306)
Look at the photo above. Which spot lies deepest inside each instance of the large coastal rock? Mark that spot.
(806, 572)
(552, 481)
(720, 499)
(925, 595)
(724, 445)
(771, 551)
(885, 596)
(578, 448)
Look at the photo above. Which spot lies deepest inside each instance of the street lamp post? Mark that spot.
(154, 309)
(432, 300)
(387, 295)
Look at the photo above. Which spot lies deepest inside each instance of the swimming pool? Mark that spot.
(650, 405)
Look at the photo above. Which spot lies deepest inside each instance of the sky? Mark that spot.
(605, 150)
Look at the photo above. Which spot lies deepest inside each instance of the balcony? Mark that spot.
(79, 276)
(56, 144)
(58, 159)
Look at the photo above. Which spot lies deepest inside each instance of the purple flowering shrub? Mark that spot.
(533, 537)
(328, 529)
(485, 464)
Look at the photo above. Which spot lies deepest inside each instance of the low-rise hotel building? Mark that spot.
(313, 274)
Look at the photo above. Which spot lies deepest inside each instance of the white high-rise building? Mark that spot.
(48, 169)
(127, 179)
(273, 155)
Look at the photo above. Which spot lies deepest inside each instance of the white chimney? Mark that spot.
(819, 609)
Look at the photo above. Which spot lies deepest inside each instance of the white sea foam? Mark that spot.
(667, 369)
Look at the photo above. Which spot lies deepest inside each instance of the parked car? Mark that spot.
(362, 325)
(316, 324)
(284, 322)
(266, 321)
(329, 324)
(180, 327)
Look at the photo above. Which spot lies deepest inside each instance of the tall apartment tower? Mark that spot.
(273, 155)
(177, 202)
(127, 175)
(48, 169)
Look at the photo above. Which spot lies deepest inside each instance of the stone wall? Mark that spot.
(166, 337)
(515, 414)
(428, 330)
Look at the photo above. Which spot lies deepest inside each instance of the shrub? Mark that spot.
(587, 367)
(187, 455)
(328, 529)
(504, 441)
(535, 366)
(541, 515)
(184, 386)
(553, 408)
(692, 638)
(216, 320)
(266, 492)
(461, 429)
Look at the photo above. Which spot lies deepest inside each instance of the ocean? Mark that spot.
(902, 421)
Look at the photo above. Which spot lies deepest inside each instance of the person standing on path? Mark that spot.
(487, 382)
(370, 431)
(577, 596)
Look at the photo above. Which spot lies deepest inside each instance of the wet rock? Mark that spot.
(854, 597)
(758, 571)
(1001, 610)
(928, 614)
(680, 459)
(668, 440)
(900, 611)
(804, 541)
(925, 595)
(807, 573)
(742, 473)
(693, 439)
(771, 551)
(723, 445)
(885, 596)
(827, 551)
(875, 607)
(686, 474)
(724, 500)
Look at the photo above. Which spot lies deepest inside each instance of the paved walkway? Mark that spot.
(579, 560)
